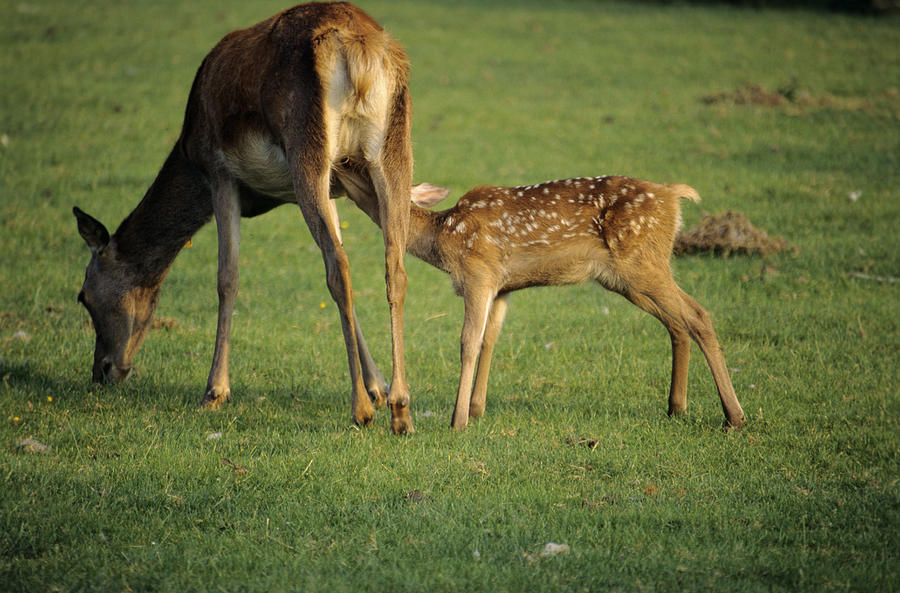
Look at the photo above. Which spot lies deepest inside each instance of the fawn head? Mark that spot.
(120, 308)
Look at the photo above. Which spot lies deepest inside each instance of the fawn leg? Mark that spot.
(701, 330)
(682, 316)
(681, 356)
(491, 333)
(681, 346)
(478, 305)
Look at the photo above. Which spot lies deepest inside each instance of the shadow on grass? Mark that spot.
(26, 379)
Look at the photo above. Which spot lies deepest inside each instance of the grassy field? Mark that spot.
(136, 491)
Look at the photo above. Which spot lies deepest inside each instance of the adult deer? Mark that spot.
(617, 231)
(272, 111)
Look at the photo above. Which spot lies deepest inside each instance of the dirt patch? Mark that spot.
(726, 233)
(164, 323)
(797, 99)
(747, 94)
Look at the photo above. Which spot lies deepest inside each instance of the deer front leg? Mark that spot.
(228, 226)
(491, 333)
(478, 305)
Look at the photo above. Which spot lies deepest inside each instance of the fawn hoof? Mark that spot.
(213, 401)
(734, 423)
(458, 425)
(476, 410)
(459, 421)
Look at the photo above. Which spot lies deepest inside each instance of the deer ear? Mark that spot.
(427, 195)
(91, 230)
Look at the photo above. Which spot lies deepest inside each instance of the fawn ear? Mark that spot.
(427, 195)
(91, 230)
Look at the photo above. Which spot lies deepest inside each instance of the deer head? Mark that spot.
(120, 307)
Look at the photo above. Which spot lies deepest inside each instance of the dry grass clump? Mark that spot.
(726, 233)
(795, 99)
(750, 94)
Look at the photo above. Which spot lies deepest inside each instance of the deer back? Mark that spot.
(558, 232)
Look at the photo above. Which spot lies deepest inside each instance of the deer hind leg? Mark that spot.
(684, 318)
(681, 356)
(478, 303)
(491, 333)
(701, 330)
(372, 377)
(226, 205)
(392, 186)
(681, 348)
(311, 186)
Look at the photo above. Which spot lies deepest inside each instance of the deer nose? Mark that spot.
(113, 373)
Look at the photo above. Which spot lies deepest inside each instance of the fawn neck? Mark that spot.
(424, 233)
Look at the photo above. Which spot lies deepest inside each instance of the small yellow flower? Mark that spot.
(322, 305)
(16, 418)
(49, 398)
(344, 224)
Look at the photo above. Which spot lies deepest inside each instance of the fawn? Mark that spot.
(618, 231)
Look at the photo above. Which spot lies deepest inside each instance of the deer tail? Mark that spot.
(684, 191)
(368, 56)
(364, 64)
(374, 63)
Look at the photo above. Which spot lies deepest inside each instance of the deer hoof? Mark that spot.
(734, 424)
(212, 401)
(401, 422)
(364, 418)
(378, 395)
(362, 410)
(459, 421)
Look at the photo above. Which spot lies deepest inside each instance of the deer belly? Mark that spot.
(542, 269)
(261, 164)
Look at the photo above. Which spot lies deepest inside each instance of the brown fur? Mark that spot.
(617, 231)
(272, 110)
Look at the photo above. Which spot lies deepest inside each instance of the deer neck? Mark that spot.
(177, 204)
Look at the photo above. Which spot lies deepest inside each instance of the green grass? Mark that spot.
(135, 495)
